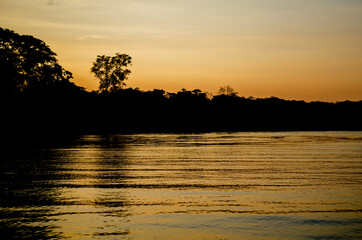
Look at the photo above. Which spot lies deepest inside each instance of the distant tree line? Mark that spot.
(37, 96)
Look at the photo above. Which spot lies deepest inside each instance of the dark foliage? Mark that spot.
(132, 110)
(111, 71)
(28, 65)
(39, 100)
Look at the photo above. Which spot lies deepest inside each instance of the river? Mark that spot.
(257, 185)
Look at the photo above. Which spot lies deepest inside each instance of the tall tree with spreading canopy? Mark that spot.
(227, 91)
(28, 63)
(111, 71)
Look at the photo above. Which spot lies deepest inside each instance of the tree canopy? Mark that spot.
(28, 63)
(227, 91)
(111, 71)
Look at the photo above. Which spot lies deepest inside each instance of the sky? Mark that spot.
(293, 49)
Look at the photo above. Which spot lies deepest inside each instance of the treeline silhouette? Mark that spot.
(132, 110)
(37, 97)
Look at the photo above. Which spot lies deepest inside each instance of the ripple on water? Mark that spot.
(301, 185)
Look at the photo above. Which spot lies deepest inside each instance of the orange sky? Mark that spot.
(291, 49)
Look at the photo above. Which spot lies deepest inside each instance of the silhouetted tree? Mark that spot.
(227, 91)
(111, 71)
(28, 63)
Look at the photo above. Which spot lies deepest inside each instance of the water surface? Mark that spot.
(292, 185)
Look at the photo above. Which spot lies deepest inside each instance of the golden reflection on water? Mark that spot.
(202, 186)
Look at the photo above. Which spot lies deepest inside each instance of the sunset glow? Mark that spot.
(291, 49)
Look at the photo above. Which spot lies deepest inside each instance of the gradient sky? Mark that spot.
(292, 49)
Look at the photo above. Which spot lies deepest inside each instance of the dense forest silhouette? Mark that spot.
(37, 97)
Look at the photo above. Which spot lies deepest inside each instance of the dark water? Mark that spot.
(304, 185)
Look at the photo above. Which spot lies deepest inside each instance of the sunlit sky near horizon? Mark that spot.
(292, 49)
